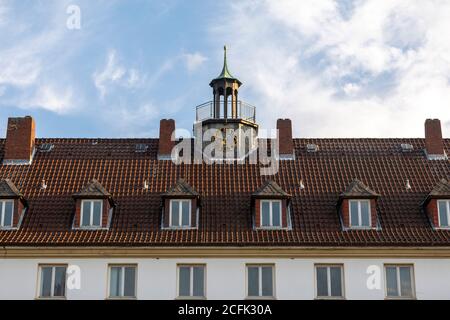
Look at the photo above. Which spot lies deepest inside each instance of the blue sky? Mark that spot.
(337, 68)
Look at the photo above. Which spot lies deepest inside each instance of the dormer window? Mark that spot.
(437, 205)
(360, 214)
(271, 207)
(12, 206)
(444, 213)
(180, 213)
(357, 207)
(93, 207)
(6, 213)
(91, 213)
(270, 214)
(180, 207)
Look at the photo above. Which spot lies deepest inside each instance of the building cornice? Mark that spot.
(223, 252)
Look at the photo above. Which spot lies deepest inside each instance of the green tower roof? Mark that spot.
(225, 74)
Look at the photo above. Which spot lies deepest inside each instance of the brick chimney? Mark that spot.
(166, 128)
(286, 144)
(19, 145)
(434, 145)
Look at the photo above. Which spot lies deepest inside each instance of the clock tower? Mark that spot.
(226, 121)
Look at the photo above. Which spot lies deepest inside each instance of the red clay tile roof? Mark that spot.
(225, 190)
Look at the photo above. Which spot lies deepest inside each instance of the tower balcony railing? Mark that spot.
(244, 111)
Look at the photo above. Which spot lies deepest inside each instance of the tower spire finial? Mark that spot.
(225, 73)
(225, 54)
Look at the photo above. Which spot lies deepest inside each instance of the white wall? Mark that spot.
(294, 278)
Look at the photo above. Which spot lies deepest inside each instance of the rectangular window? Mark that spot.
(91, 213)
(191, 281)
(260, 281)
(52, 282)
(122, 281)
(360, 214)
(444, 213)
(270, 213)
(6, 213)
(329, 281)
(180, 213)
(399, 281)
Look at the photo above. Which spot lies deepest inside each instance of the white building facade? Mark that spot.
(294, 278)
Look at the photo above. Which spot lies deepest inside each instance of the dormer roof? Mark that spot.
(440, 191)
(93, 190)
(181, 189)
(270, 189)
(357, 189)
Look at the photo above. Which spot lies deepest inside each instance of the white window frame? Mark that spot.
(191, 280)
(122, 280)
(271, 226)
(413, 285)
(329, 296)
(448, 213)
(359, 226)
(52, 288)
(260, 296)
(180, 214)
(91, 214)
(2, 214)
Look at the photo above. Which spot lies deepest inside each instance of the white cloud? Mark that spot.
(389, 58)
(18, 68)
(32, 52)
(193, 60)
(51, 99)
(114, 73)
(351, 89)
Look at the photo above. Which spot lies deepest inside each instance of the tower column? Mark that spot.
(233, 104)
(216, 105)
(225, 105)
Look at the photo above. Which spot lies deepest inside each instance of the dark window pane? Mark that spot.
(7, 220)
(405, 282)
(365, 214)
(391, 281)
(115, 282)
(267, 281)
(443, 213)
(354, 220)
(322, 282)
(60, 282)
(46, 281)
(185, 282)
(86, 217)
(336, 281)
(253, 281)
(185, 213)
(175, 214)
(130, 282)
(199, 279)
(265, 216)
(97, 213)
(276, 214)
